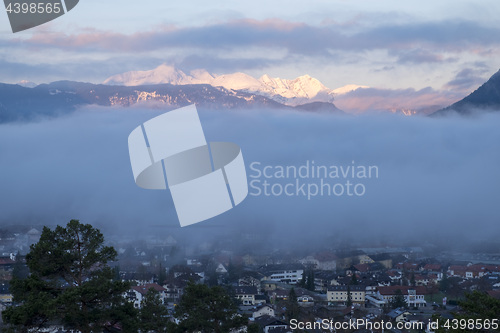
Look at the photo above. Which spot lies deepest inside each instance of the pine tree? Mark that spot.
(70, 283)
(153, 314)
(349, 296)
(354, 280)
(303, 280)
(207, 309)
(162, 275)
(310, 281)
(292, 305)
(444, 284)
(20, 270)
(398, 301)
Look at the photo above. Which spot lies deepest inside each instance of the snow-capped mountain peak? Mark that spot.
(238, 81)
(301, 90)
(161, 74)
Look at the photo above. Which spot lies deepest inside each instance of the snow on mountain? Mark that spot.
(161, 74)
(201, 76)
(27, 84)
(304, 89)
(238, 81)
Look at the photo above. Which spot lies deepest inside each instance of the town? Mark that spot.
(327, 289)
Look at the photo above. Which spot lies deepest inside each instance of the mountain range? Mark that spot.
(301, 90)
(18, 103)
(170, 88)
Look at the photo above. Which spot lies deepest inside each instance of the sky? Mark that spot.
(448, 46)
(437, 178)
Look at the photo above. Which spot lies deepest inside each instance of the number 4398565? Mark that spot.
(34, 8)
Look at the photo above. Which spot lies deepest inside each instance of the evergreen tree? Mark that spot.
(153, 314)
(20, 270)
(254, 328)
(444, 284)
(354, 279)
(207, 309)
(116, 273)
(162, 275)
(303, 280)
(479, 305)
(398, 301)
(412, 279)
(310, 280)
(234, 272)
(349, 296)
(213, 279)
(70, 283)
(292, 305)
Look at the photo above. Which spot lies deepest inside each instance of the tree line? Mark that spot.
(70, 283)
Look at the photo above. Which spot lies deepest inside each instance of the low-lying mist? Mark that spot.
(438, 178)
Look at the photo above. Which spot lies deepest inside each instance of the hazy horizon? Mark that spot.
(436, 177)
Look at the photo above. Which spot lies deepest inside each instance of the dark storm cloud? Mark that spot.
(436, 176)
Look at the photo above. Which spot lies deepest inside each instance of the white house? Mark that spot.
(290, 274)
(414, 296)
(263, 310)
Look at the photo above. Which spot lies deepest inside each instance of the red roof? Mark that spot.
(393, 273)
(457, 268)
(144, 289)
(482, 268)
(362, 267)
(6, 261)
(419, 277)
(432, 267)
(391, 290)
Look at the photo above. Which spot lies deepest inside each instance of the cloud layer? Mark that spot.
(436, 176)
(330, 50)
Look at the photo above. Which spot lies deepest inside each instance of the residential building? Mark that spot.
(246, 294)
(263, 310)
(383, 259)
(339, 294)
(249, 281)
(321, 261)
(414, 296)
(290, 274)
(399, 315)
(271, 324)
